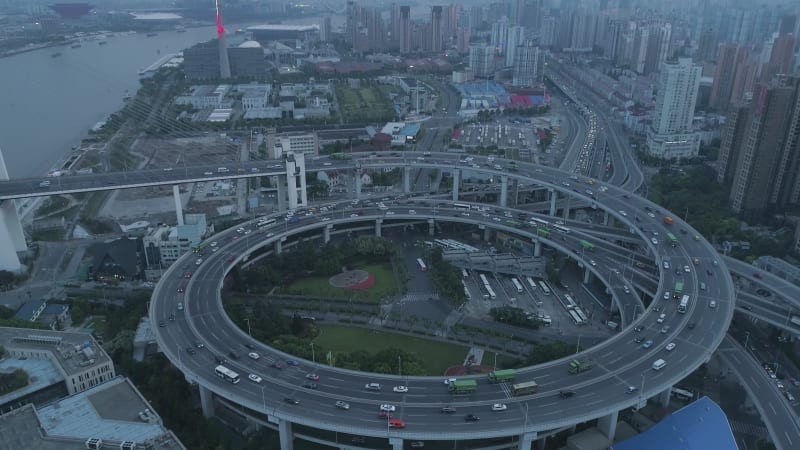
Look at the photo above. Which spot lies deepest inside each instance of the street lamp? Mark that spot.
(399, 366)
(746, 339)
(313, 357)
(247, 319)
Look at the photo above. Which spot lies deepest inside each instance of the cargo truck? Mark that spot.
(578, 366)
(502, 376)
(463, 386)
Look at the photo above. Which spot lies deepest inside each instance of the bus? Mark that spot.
(543, 232)
(531, 283)
(227, 374)
(570, 302)
(684, 304)
(467, 295)
(544, 287)
(461, 206)
(535, 221)
(517, 285)
(575, 317)
(581, 314)
(795, 320)
(676, 294)
(587, 245)
(463, 386)
(526, 388)
(265, 222)
(682, 394)
(564, 230)
(421, 264)
(514, 223)
(484, 281)
(464, 273)
(673, 241)
(200, 247)
(490, 291)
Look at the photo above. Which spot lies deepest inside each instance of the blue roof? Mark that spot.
(700, 425)
(27, 309)
(410, 130)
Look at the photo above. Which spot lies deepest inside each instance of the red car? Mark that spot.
(180, 290)
(187, 275)
(758, 275)
(396, 423)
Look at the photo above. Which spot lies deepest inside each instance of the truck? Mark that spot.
(502, 376)
(463, 386)
(668, 220)
(578, 366)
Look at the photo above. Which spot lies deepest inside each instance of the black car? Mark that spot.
(199, 344)
(309, 385)
(638, 339)
(250, 346)
(233, 354)
(709, 272)
(690, 326)
(220, 360)
(471, 418)
(448, 410)
(162, 324)
(638, 328)
(566, 394)
(291, 401)
(190, 350)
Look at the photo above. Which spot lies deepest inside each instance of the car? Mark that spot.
(471, 418)
(199, 261)
(342, 405)
(670, 347)
(714, 263)
(758, 275)
(278, 365)
(254, 378)
(180, 306)
(162, 324)
(221, 360)
(181, 289)
(654, 241)
(687, 269)
(696, 261)
(709, 272)
(292, 362)
(411, 211)
(651, 215)
(448, 410)
(400, 389)
(199, 344)
(396, 423)
(626, 289)
(208, 173)
(638, 328)
(449, 380)
(499, 407)
(254, 355)
(372, 386)
(624, 214)
(566, 394)
(638, 339)
(657, 308)
(190, 350)
(172, 317)
(691, 325)
(213, 244)
(233, 354)
(661, 318)
(630, 389)
(167, 169)
(665, 329)
(312, 377)
(665, 264)
(712, 304)
(254, 169)
(666, 295)
(310, 385)
(250, 346)
(187, 275)
(417, 444)
(388, 408)
(647, 344)
(44, 184)
(702, 286)
(291, 401)
(385, 415)
(591, 261)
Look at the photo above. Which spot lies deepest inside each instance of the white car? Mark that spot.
(400, 389)
(665, 264)
(214, 244)
(623, 213)
(388, 408)
(670, 347)
(208, 173)
(389, 213)
(499, 407)
(254, 378)
(654, 241)
(661, 318)
(687, 269)
(254, 355)
(199, 261)
(666, 295)
(591, 261)
(449, 380)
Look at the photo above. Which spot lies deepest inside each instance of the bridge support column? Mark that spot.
(587, 275)
(526, 439)
(456, 183)
(486, 234)
(396, 443)
(280, 183)
(431, 227)
(206, 401)
(608, 425)
(663, 397)
(553, 199)
(503, 191)
(358, 183)
(378, 223)
(566, 212)
(606, 218)
(537, 248)
(285, 434)
(541, 443)
(278, 247)
(176, 195)
(326, 233)
(12, 238)
(406, 180)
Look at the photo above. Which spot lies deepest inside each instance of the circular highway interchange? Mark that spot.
(599, 393)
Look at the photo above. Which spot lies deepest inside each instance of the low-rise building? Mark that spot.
(114, 260)
(49, 315)
(164, 244)
(206, 97)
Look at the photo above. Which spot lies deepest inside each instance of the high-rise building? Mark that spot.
(515, 38)
(462, 40)
(527, 64)
(516, 12)
(728, 59)
(481, 60)
(532, 14)
(405, 29)
(732, 137)
(436, 29)
(781, 57)
(394, 26)
(325, 29)
(499, 35)
(639, 54)
(670, 134)
(476, 18)
(657, 46)
(767, 154)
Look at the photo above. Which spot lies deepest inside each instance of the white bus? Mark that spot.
(490, 291)
(265, 222)
(581, 314)
(564, 230)
(517, 285)
(684, 305)
(544, 287)
(569, 301)
(484, 280)
(461, 206)
(575, 317)
(531, 283)
(682, 394)
(227, 374)
(422, 265)
(464, 273)
(535, 221)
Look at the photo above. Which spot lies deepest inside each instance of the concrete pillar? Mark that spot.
(606, 218)
(526, 439)
(206, 401)
(396, 443)
(278, 247)
(503, 191)
(663, 397)
(553, 198)
(486, 234)
(358, 183)
(406, 180)
(537, 248)
(456, 183)
(541, 443)
(176, 195)
(285, 434)
(9, 242)
(431, 227)
(608, 425)
(378, 223)
(280, 183)
(326, 233)
(587, 275)
(566, 211)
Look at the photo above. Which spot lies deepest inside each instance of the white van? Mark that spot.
(659, 364)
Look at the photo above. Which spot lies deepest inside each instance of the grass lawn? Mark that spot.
(437, 356)
(385, 285)
(368, 103)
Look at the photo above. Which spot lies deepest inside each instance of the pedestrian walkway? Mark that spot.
(474, 357)
(748, 428)
(419, 297)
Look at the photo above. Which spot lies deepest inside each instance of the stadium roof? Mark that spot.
(701, 425)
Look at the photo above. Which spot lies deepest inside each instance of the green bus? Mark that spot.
(673, 241)
(463, 386)
(678, 290)
(501, 376)
(587, 245)
(199, 248)
(513, 223)
(543, 232)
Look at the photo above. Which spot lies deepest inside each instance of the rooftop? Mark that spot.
(74, 352)
(42, 373)
(283, 27)
(144, 332)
